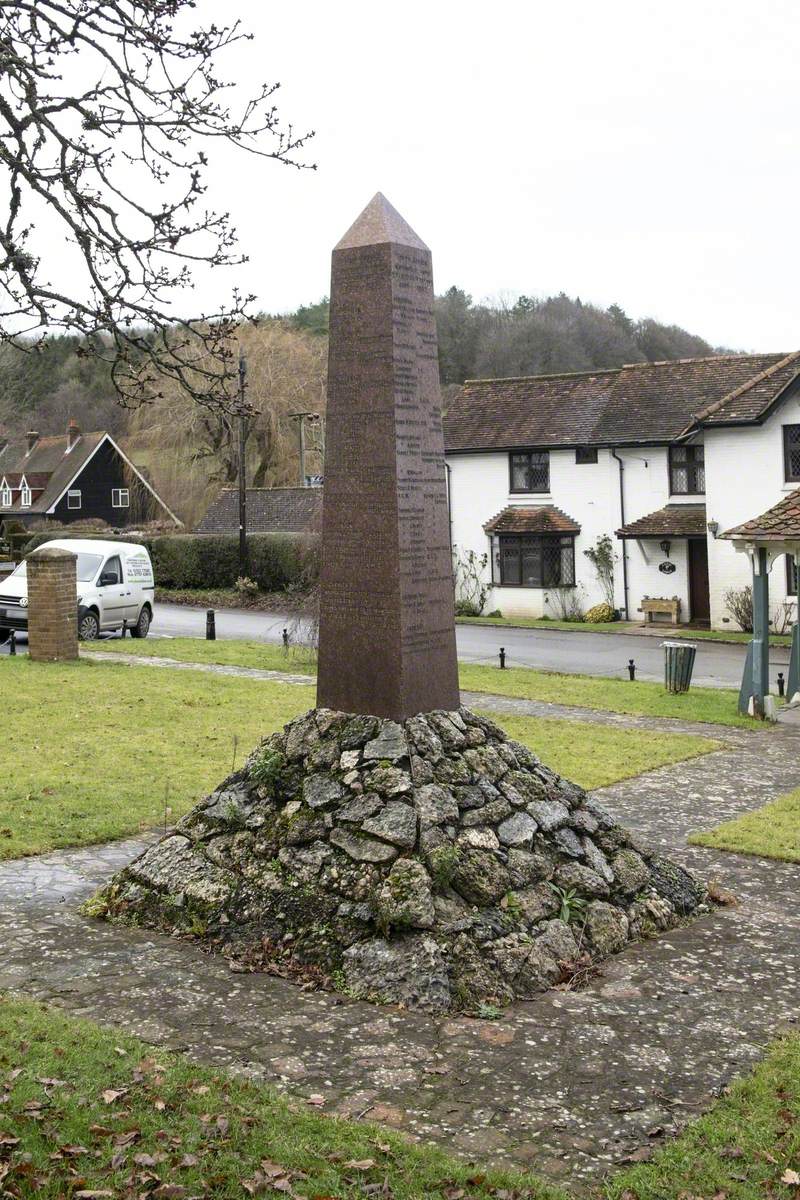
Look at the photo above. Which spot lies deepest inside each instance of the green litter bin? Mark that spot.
(678, 665)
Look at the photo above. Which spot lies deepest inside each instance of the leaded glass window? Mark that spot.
(791, 452)
(530, 471)
(687, 473)
(528, 560)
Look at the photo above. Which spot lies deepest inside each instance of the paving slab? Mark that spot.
(568, 1085)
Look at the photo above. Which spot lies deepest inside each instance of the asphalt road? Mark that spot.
(717, 664)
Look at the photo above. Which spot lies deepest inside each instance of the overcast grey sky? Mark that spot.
(620, 151)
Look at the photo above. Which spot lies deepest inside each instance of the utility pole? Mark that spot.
(315, 422)
(243, 564)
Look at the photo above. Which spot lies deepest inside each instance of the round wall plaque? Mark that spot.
(666, 568)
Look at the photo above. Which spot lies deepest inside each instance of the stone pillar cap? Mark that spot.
(51, 554)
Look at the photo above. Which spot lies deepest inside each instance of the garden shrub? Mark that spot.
(599, 614)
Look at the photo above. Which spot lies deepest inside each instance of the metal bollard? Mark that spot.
(502, 658)
(211, 628)
(781, 684)
(12, 642)
(632, 669)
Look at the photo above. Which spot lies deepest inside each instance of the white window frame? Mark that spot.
(6, 495)
(25, 494)
(72, 494)
(116, 497)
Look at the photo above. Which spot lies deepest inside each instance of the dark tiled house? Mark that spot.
(73, 477)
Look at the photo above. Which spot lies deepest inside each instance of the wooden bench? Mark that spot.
(651, 606)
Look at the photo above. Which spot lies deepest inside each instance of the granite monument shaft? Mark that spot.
(387, 635)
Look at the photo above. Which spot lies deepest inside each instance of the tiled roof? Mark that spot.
(544, 410)
(643, 402)
(780, 522)
(48, 464)
(269, 510)
(675, 520)
(544, 518)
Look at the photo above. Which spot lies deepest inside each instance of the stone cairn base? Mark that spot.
(435, 864)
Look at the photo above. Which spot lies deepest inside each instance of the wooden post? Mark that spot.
(793, 681)
(755, 683)
(243, 563)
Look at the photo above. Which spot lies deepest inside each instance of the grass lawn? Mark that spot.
(86, 1109)
(771, 832)
(714, 705)
(94, 745)
(598, 755)
(91, 1108)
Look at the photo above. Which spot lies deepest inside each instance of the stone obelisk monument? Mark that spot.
(386, 634)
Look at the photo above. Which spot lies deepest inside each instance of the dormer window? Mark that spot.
(5, 495)
(25, 495)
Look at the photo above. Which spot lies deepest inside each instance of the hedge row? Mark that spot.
(276, 561)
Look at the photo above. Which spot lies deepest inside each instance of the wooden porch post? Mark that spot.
(793, 681)
(755, 684)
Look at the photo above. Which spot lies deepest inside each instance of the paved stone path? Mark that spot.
(147, 660)
(569, 1084)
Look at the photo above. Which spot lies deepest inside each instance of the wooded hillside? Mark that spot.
(189, 453)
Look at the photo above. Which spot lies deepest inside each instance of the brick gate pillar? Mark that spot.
(52, 606)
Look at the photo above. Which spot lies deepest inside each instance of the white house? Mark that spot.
(663, 457)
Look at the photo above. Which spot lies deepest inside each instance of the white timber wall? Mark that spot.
(745, 477)
(588, 493)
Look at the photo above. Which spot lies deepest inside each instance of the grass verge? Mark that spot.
(99, 1114)
(598, 755)
(717, 706)
(770, 832)
(94, 746)
(634, 627)
(226, 598)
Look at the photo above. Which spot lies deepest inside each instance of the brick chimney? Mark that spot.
(73, 433)
(32, 438)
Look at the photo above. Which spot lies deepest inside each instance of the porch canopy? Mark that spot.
(765, 539)
(674, 520)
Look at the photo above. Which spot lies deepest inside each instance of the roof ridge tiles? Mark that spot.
(703, 358)
(554, 375)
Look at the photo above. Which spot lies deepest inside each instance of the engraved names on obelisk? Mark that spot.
(387, 637)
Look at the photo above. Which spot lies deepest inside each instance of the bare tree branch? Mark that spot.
(117, 163)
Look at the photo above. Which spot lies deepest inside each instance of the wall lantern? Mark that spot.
(713, 528)
(665, 547)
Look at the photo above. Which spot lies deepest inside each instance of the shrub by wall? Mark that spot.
(186, 561)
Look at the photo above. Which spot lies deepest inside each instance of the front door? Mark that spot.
(699, 603)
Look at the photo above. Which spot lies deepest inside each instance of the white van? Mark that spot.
(115, 588)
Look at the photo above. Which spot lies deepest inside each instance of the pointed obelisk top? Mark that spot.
(379, 223)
